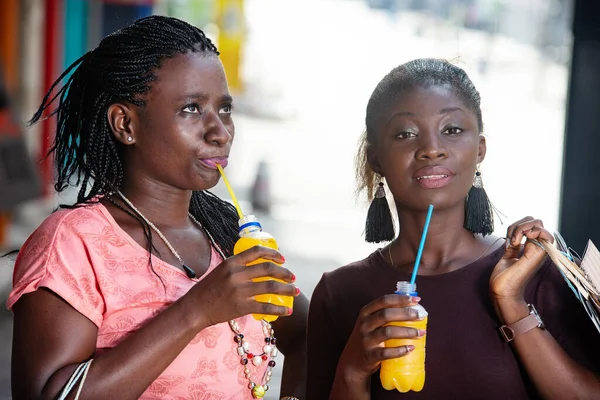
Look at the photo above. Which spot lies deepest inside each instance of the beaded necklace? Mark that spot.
(269, 349)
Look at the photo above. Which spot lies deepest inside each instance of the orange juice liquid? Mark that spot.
(265, 240)
(407, 372)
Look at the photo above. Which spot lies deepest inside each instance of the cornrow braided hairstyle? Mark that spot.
(121, 69)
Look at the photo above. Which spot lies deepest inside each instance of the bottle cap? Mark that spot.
(406, 288)
(248, 221)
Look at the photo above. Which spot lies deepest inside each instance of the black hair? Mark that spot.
(422, 72)
(121, 69)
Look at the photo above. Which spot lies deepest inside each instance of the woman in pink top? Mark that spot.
(138, 275)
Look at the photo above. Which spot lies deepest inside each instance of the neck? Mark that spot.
(161, 204)
(447, 240)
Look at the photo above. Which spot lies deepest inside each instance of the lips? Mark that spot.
(433, 177)
(214, 161)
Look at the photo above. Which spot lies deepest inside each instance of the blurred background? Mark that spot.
(301, 72)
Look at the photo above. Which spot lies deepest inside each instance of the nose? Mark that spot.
(218, 132)
(431, 146)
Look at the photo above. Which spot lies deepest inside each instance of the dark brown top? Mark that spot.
(466, 356)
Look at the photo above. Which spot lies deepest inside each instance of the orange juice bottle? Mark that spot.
(407, 372)
(251, 234)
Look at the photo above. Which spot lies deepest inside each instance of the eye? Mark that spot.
(226, 109)
(453, 130)
(405, 135)
(191, 109)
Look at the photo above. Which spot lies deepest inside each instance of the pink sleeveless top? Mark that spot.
(84, 257)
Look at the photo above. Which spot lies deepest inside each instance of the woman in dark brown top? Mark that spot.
(424, 135)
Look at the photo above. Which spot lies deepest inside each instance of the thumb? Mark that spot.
(534, 252)
(511, 250)
(528, 263)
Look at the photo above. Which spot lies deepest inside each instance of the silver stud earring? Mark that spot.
(129, 139)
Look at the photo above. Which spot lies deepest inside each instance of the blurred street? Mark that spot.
(310, 67)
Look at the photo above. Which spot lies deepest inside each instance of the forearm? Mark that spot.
(555, 374)
(346, 387)
(127, 370)
(293, 381)
(291, 336)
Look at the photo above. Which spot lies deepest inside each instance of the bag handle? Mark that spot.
(80, 372)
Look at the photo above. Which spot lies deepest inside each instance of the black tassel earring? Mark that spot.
(380, 225)
(479, 216)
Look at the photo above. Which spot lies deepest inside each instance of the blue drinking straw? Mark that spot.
(420, 252)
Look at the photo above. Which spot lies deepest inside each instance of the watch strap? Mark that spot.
(509, 332)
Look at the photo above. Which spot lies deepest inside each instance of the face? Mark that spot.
(427, 147)
(185, 129)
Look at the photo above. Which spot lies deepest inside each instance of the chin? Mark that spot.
(198, 185)
(440, 201)
(205, 186)
(446, 204)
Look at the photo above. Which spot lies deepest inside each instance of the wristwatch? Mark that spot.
(533, 320)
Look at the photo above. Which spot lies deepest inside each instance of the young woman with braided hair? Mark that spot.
(138, 275)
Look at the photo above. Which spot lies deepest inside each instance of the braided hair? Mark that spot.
(121, 69)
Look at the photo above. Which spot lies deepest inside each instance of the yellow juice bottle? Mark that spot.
(251, 234)
(407, 372)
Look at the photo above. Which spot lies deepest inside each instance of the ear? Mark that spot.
(482, 149)
(121, 119)
(373, 161)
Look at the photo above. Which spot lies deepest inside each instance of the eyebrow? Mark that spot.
(451, 109)
(403, 114)
(411, 114)
(198, 96)
(226, 98)
(442, 111)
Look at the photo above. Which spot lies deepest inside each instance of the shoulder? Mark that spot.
(63, 234)
(61, 255)
(84, 218)
(350, 283)
(360, 268)
(355, 273)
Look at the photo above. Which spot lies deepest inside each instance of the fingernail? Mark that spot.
(422, 332)
(289, 311)
(283, 258)
(414, 299)
(293, 278)
(297, 291)
(410, 348)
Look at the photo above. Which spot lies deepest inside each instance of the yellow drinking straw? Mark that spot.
(235, 202)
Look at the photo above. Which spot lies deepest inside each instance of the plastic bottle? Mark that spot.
(251, 234)
(407, 372)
